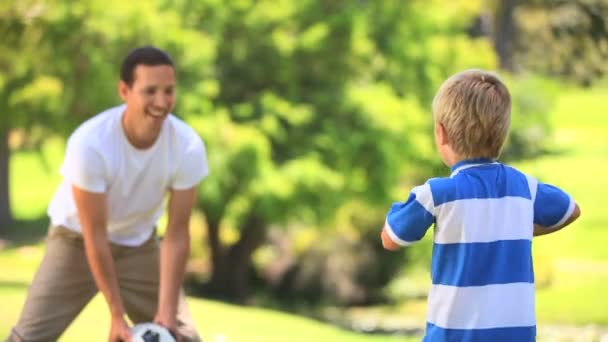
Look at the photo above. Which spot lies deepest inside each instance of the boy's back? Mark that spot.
(485, 215)
(481, 270)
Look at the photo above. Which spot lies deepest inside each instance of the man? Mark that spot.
(118, 168)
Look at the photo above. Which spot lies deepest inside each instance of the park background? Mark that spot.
(316, 117)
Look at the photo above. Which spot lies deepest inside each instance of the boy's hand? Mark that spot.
(387, 242)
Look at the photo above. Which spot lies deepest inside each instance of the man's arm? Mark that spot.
(175, 249)
(92, 212)
(540, 230)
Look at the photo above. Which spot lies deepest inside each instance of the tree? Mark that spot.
(505, 33)
(314, 103)
(567, 39)
(304, 106)
(27, 90)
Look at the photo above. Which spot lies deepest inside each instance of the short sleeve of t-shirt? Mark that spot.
(552, 206)
(407, 222)
(193, 166)
(83, 167)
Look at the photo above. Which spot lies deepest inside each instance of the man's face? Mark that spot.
(151, 97)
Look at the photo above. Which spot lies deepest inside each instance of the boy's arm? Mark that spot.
(407, 222)
(541, 230)
(553, 208)
(387, 243)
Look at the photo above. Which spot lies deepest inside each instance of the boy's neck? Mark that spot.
(471, 160)
(449, 157)
(450, 163)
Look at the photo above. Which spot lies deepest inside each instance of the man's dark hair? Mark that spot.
(145, 55)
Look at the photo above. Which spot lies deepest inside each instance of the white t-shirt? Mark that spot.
(100, 159)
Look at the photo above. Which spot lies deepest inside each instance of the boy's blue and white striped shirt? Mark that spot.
(481, 269)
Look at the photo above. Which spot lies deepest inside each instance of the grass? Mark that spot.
(34, 179)
(577, 256)
(580, 170)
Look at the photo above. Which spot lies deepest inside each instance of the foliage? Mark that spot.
(338, 97)
(533, 98)
(304, 106)
(560, 38)
(571, 38)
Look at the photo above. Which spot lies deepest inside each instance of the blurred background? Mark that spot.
(316, 116)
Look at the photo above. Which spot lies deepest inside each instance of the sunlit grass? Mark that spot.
(34, 179)
(577, 294)
(577, 255)
(581, 128)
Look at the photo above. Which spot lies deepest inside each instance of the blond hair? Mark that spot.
(474, 106)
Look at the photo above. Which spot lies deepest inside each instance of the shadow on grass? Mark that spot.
(14, 285)
(517, 155)
(25, 232)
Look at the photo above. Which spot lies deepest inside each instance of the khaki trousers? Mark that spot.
(63, 285)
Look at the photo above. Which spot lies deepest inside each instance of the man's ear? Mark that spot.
(123, 90)
(441, 134)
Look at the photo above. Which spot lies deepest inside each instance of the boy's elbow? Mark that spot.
(576, 213)
(387, 242)
(389, 245)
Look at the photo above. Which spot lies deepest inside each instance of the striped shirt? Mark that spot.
(481, 269)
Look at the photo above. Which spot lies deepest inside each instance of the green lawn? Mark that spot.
(577, 256)
(34, 179)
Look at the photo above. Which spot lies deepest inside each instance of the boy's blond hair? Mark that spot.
(474, 106)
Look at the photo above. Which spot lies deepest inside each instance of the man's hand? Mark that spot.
(170, 323)
(119, 330)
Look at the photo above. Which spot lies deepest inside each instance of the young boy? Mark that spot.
(485, 216)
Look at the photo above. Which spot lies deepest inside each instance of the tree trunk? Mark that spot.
(231, 269)
(6, 216)
(240, 256)
(218, 261)
(504, 33)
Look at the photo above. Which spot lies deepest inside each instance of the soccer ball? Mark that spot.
(150, 332)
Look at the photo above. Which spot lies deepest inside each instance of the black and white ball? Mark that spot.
(150, 332)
